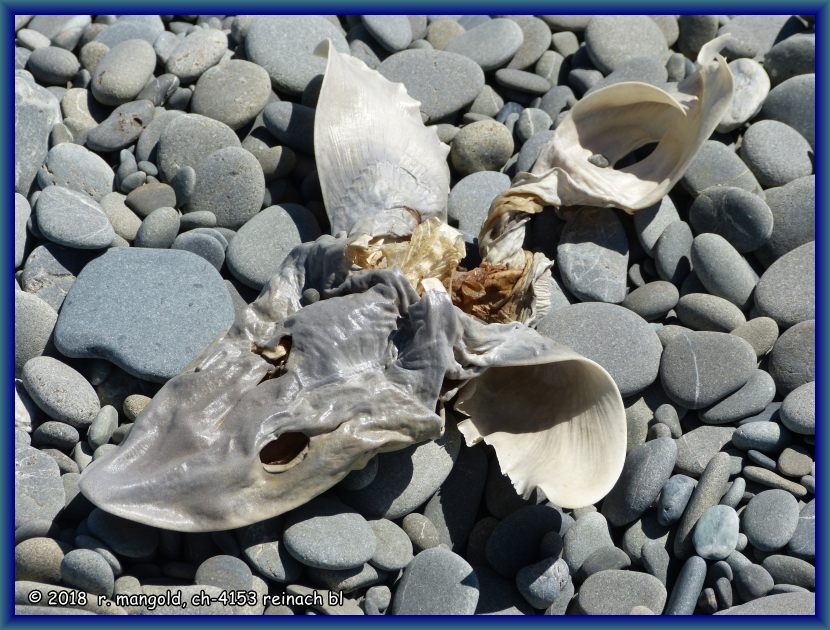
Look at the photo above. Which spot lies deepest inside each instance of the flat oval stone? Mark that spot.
(284, 45)
(60, 392)
(611, 40)
(514, 542)
(592, 256)
(650, 222)
(263, 547)
(443, 82)
(766, 437)
(628, 347)
(393, 32)
(699, 369)
(793, 209)
(643, 531)
(749, 400)
(710, 488)
(484, 145)
(653, 300)
(522, 81)
(159, 229)
(776, 153)
(742, 218)
(793, 359)
(786, 292)
(72, 166)
(702, 311)
(770, 519)
(798, 411)
(803, 541)
(146, 149)
(87, 570)
(52, 65)
(603, 559)
(204, 245)
(394, 549)
(233, 92)
(436, 582)
(34, 321)
(73, 219)
(261, 245)
(789, 570)
(147, 198)
(793, 103)
(791, 56)
(146, 27)
(767, 478)
(57, 435)
(122, 127)
(722, 270)
(716, 533)
(687, 587)
(228, 572)
(188, 139)
(647, 467)
(292, 124)
(127, 296)
(717, 165)
(751, 88)
(674, 496)
(327, 534)
(673, 252)
(102, 426)
(587, 535)
(38, 559)
(536, 39)
(760, 332)
(123, 72)
(753, 581)
(780, 604)
(616, 592)
(470, 199)
(491, 44)
(230, 184)
(795, 462)
(198, 51)
(39, 492)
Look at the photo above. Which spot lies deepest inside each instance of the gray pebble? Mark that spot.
(347, 580)
(752, 582)
(196, 53)
(159, 229)
(735, 494)
(284, 46)
(536, 39)
(793, 103)
(119, 295)
(717, 165)
(798, 411)
(264, 549)
(88, 571)
(742, 218)
(132, 181)
(630, 349)
(146, 27)
(60, 392)
(695, 448)
(531, 122)
(123, 72)
(603, 559)
(123, 220)
(767, 437)
(642, 531)
(770, 519)
(650, 222)
(437, 581)
(33, 325)
(716, 533)
(687, 587)
(653, 300)
(749, 400)
(786, 291)
(74, 167)
(394, 549)
(393, 32)
(588, 534)
(791, 57)
(226, 572)
(795, 462)
(202, 245)
(515, 541)
(531, 149)
(442, 82)
(655, 560)
(102, 427)
(150, 196)
(710, 488)
(789, 570)
(200, 219)
(613, 40)
(377, 600)
(39, 493)
(55, 434)
(558, 99)
(52, 65)
(793, 209)
(522, 81)
(616, 592)
(470, 199)
(73, 219)
(667, 415)
(540, 583)
(722, 270)
(702, 311)
(122, 127)
(643, 69)
(36, 110)
(481, 146)
(38, 559)
(793, 362)
(760, 332)
(780, 604)
(422, 532)
(754, 35)
(291, 124)
(564, 42)
(491, 44)
(673, 252)
(694, 32)
(769, 479)
(147, 146)
(776, 153)
(674, 496)
(803, 541)
(186, 140)
(356, 479)
(233, 92)
(126, 538)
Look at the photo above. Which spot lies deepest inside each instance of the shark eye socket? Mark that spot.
(285, 452)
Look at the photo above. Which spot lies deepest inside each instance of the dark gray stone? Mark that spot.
(126, 538)
(749, 400)
(123, 72)
(776, 153)
(536, 39)
(793, 103)
(655, 560)
(150, 196)
(789, 570)
(791, 57)
(770, 519)
(767, 478)
(541, 582)
(122, 127)
(802, 544)
(87, 570)
(687, 587)
(674, 496)
(742, 218)
(754, 35)
(752, 582)
(793, 209)
(611, 40)
(694, 31)
(653, 300)
(710, 488)
(514, 542)
(643, 69)
(673, 252)
(793, 359)
(702, 311)
(616, 592)
(780, 604)
(491, 44)
(147, 146)
(436, 582)
(226, 572)
(291, 124)
(722, 270)
(603, 559)
(760, 332)
(717, 165)
(531, 149)
(798, 411)
(522, 81)
(263, 547)
(786, 292)
(587, 535)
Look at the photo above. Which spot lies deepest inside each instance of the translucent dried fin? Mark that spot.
(374, 154)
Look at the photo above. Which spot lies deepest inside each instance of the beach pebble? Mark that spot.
(292, 124)
(436, 582)
(52, 65)
(470, 199)
(717, 165)
(749, 400)
(616, 592)
(702, 311)
(655, 560)
(603, 559)
(752, 582)
(114, 307)
(710, 488)
(742, 218)
(541, 582)
(102, 427)
(716, 533)
(588, 534)
(592, 256)
(674, 496)
(798, 411)
(776, 153)
(232, 93)
(76, 168)
(793, 103)
(760, 332)
(197, 52)
(263, 547)
(123, 72)
(39, 494)
(791, 57)
(722, 270)
(786, 291)
(491, 44)
(699, 369)
(201, 244)
(158, 230)
(766, 437)
(630, 349)
(122, 127)
(789, 570)
(36, 110)
(38, 559)
(33, 325)
(485, 145)
(72, 219)
(125, 538)
(793, 361)
(687, 587)
(393, 32)
(779, 604)
(673, 252)
(515, 541)
(770, 519)
(611, 40)
(185, 140)
(394, 549)
(795, 462)
(422, 532)
(803, 541)
(88, 571)
(652, 300)
(226, 572)
(60, 392)
(793, 209)
(767, 478)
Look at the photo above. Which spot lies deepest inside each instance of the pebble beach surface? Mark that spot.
(164, 168)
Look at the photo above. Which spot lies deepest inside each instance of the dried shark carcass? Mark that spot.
(358, 346)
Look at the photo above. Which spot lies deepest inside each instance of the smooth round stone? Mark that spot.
(793, 359)
(123, 72)
(770, 519)
(584, 538)
(717, 165)
(436, 582)
(522, 81)
(421, 531)
(642, 69)
(742, 218)
(751, 88)
(485, 145)
(611, 40)
(262, 546)
(628, 348)
(122, 127)
(754, 35)
(128, 296)
(39, 559)
(60, 392)
(793, 209)
(284, 45)
(789, 570)
(716, 533)
(643, 531)
(557, 100)
(687, 587)
(261, 245)
(780, 604)
(124, 221)
(443, 82)
(793, 103)
(227, 572)
(722, 270)
(575, 23)
(767, 437)
(536, 39)
(36, 110)
(701, 311)
(541, 582)
(653, 300)
(491, 44)
(146, 198)
(72, 166)
(603, 559)
(694, 32)
(776, 153)
(202, 245)
(393, 32)
(188, 139)
(752, 582)
(230, 184)
(39, 494)
(530, 150)
(233, 92)
(791, 57)
(514, 542)
(291, 124)
(767, 478)
(592, 256)
(674, 496)
(55, 435)
(749, 400)
(347, 580)
(647, 467)
(87, 570)
(795, 462)
(616, 592)
(326, 534)
(655, 560)
(359, 479)
(470, 199)
(531, 122)
(198, 51)
(803, 542)
(798, 411)
(73, 219)
(406, 478)
(159, 229)
(146, 27)
(650, 222)
(125, 538)
(394, 549)
(673, 252)
(34, 321)
(52, 65)
(786, 291)
(146, 149)
(197, 220)
(102, 427)
(760, 332)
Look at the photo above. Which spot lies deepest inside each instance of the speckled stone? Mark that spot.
(798, 411)
(72, 219)
(36, 110)
(673, 252)
(491, 44)
(652, 300)
(33, 325)
(674, 496)
(687, 587)
(789, 570)
(588, 534)
(722, 270)
(393, 32)
(52, 65)
(436, 582)
(611, 40)
(38, 559)
(60, 392)
(540, 583)
(760, 332)
(766, 437)
(749, 400)
(793, 209)
(158, 230)
(227, 572)
(485, 145)
(786, 292)
(793, 362)
(394, 549)
(709, 490)
(263, 547)
(616, 592)
(233, 92)
(776, 153)
(793, 103)
(87, 571)
(717, 165)
(197, 52)
(148, 197)
(770, 519)
(742, 218)
(185, 140)
(515, 541)
(753, 581)
(76, 168)
(123, 72)
(702, 311)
